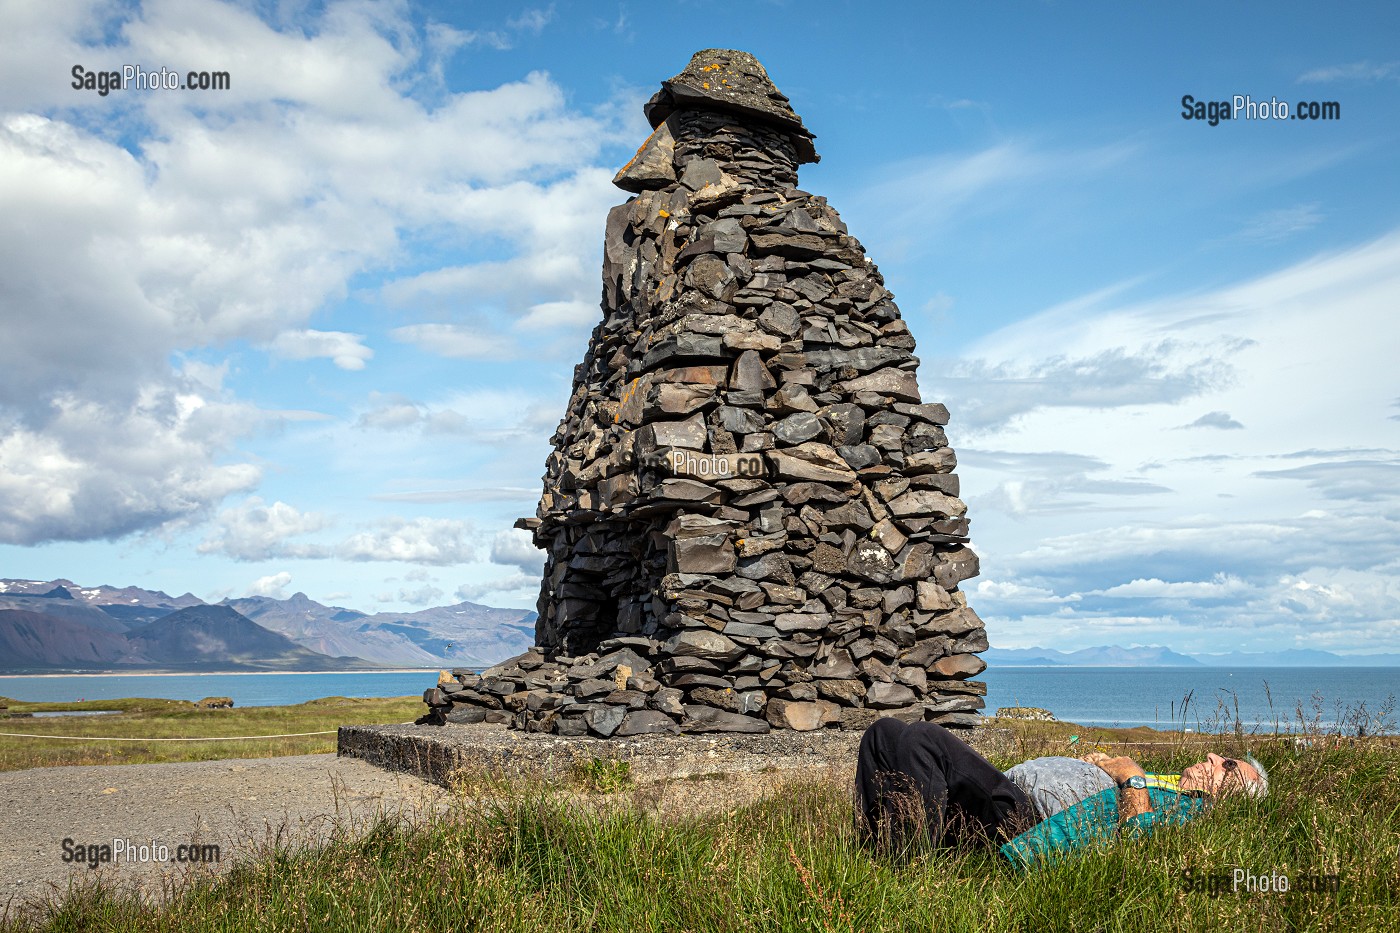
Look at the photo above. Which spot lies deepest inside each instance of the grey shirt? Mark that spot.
(1056, 783)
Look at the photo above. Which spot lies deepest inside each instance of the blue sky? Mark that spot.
(313, 333)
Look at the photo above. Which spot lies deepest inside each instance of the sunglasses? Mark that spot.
(1229, 764)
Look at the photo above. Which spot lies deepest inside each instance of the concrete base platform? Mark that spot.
(436, 753)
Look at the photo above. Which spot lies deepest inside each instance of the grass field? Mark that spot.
(166, 719)
(541, 858)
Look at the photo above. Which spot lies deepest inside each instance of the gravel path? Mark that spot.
(236, 804)
(242, 804)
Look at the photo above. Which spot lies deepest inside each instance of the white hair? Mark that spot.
(1259, 788)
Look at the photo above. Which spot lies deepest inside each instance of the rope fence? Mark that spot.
(1204, 739)
(211, 738)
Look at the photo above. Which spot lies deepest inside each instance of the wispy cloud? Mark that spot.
(1069, 430)
(1359, 480)
(532, 20)
(1031, 483)
(1274, 226)
(925, 193)
(1363, 70)
(440, 496)
(490, 339)
(1161, 373)
(515, 585)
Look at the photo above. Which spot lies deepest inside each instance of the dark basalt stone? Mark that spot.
(730, 81)
(700, 718)
(749, 516)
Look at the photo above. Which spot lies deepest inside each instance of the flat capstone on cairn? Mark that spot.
(750, 516)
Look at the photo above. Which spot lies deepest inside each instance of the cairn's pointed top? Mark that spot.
(734, 82)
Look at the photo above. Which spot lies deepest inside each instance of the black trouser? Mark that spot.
(918, 778)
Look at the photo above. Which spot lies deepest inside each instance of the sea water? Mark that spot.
(245, 689)
(1201, 698)
(1162, 697)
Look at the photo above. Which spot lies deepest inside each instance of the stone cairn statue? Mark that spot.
(750, 517)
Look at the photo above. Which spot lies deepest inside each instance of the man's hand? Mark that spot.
(1120, 768)
(1094, 757)
(1130, 802)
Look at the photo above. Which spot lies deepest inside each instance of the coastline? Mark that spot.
(387, 670)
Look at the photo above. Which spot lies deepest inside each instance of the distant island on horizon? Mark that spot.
(57, 626)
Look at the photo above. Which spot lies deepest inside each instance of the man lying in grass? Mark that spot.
(918, 778)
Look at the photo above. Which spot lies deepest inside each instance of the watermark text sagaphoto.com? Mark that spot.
(1245, 881)
(1244, 107)
(141, 79)
(129, 852)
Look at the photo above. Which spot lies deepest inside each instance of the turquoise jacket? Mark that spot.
(1094, 821)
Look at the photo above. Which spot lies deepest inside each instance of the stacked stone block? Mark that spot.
(750, 516)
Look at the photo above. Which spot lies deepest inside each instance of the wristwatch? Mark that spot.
(1136, 782)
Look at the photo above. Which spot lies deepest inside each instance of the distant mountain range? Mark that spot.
(1155, 656)
(57, 625)
(464, 635)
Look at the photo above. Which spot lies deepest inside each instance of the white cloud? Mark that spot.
(149, 225)
(425, 595)
(256, 531)
(1221, 587)
(456, 341)
(1012, 592)
(1307, 598)
(392, 414)
(273, 586)
(518, 585)
(431, 541)
(347, 351)
(550, 315)
(515, 547)
(398, 413)
(1363, 605)
(486, 310)
(1067, 628)
(86, 468)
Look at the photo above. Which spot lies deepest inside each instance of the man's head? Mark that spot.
(1218, 775)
